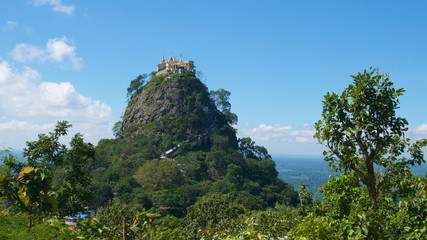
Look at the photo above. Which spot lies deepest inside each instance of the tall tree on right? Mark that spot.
(364, 136)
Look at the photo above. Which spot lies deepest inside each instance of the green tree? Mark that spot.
(117, 129)
(249, 150)
(410, 219)
(314, 227)
(221, 99)
(30, 187)
(136, 85)
(274, 223)
(47, 151)
(215, 211)
(364, 135)
(119, 221)
(159, 174)
(12, 226)
(74, 193)
(31, 191)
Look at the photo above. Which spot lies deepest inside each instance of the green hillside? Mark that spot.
(176, 170)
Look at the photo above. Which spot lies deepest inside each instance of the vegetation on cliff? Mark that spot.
(176, 170)
(176, 145)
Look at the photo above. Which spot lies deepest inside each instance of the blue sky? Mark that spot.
(63, 59)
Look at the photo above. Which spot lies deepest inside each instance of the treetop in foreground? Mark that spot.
(366, 143)
(362, 132)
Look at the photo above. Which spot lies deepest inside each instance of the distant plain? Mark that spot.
(313, 171)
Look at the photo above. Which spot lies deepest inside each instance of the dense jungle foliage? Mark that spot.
(176, 170)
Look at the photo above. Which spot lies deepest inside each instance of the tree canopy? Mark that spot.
(221, 99)
(136, 85)
(362, 132)
(214, 186)
(52, 175)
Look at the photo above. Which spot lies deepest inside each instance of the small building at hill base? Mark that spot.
(72, 220)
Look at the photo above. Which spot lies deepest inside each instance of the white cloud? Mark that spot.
(29, 106)
(283, 138)
(303, 139)
(419, 132)
(291, 139)
(26, 53)
(23, 125)
(9, 25)
(280, 132)
(421, 129)
(56, 5)
(15, 133)
(57, 50)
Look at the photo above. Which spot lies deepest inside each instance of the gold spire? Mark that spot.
(180, 58)
(170, 59)
(163, 59)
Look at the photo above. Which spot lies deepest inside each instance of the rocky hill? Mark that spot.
(176, 145)
(173, 110)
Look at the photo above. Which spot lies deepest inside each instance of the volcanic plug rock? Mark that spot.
(173, 110)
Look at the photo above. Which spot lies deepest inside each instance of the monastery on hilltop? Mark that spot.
(166, 68)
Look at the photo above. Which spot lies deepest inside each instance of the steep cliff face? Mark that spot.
(175, 146)
(172, 110)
